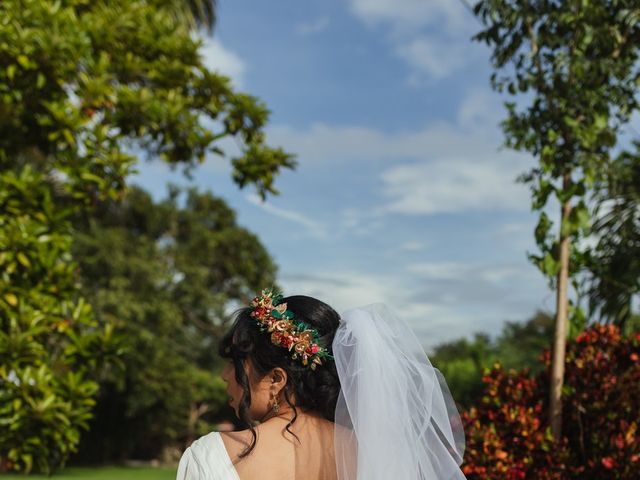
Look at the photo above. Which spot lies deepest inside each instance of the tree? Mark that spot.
(50, 345)
(518, 346)
(86, 82)
(197, 13)
(162, 276)
(573, 67)
(462, 363)
(86, 88)
(614, 263)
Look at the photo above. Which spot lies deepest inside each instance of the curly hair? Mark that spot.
(314, 390)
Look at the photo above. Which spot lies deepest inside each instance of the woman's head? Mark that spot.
(258, 370)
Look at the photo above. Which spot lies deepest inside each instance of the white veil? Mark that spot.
(395, 418)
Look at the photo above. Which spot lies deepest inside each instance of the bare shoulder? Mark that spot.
(277, 431)
(282, 448)
(236, 442)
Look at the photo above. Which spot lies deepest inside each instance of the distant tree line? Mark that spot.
(163, 276)
(464, 362)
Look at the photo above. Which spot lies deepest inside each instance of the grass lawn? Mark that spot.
(103, 473)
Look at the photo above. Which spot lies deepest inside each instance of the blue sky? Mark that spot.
(402, 194)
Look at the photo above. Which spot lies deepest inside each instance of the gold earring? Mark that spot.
(275, 407)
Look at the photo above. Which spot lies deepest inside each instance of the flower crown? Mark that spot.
(273, 317)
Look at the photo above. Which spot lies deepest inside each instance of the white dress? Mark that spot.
(207, 459)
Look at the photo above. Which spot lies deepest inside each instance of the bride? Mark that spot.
(327, 397)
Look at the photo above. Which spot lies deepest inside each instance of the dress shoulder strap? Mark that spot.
(207, 459)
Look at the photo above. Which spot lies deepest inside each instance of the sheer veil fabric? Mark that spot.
(396, 419)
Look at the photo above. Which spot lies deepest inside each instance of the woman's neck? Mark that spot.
(288, 414)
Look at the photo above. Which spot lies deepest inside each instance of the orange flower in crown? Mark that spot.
(296, 336)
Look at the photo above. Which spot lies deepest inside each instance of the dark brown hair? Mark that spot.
(314, 390)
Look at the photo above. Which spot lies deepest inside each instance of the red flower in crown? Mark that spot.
(272, 316)
(276, 337)
(286, 341)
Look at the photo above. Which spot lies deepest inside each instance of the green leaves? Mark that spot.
(542, 229)
(547, 263)
(161, 277)
(130, 70)
(11, 299)
(578, 64)
(39, 315)
(614, 262)
(259, 167)
(86, 88)
(464, 362)
(579, 219)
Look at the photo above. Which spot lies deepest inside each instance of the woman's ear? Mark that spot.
(278, 379)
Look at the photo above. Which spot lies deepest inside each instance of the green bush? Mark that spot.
(49, 344)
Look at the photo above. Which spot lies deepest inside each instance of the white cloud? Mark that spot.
(328, 143)
(440, 270)
(411, 14)
(441, 301)
(435, 57)
(344, 290)
(466, 272)
(501, 274)
(490, 292)
(444, 274)
(441, 168)
(474, 130)
(341, 289)
(219, 58)
(432, 36)
(515, 228)
(453, 185)
(316, 26)
(517, 236)
(313, 228)
(413, 246)
(360, 222)
(480, 107)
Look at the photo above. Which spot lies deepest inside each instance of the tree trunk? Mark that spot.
(560, 334)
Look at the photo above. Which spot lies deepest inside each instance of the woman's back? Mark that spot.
(278, 455)
(366, 370)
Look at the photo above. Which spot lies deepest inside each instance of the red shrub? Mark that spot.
(508, 435)
(602, 404)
